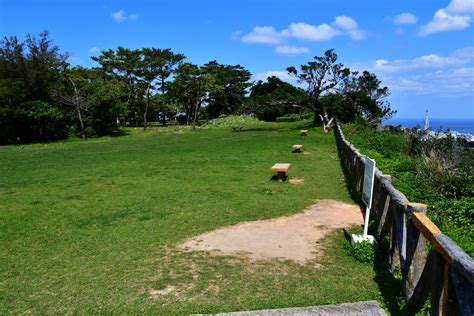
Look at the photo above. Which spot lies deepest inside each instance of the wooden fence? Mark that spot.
(445, 274)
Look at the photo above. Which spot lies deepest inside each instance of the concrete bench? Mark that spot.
(297, 148)
(237, 128)
(281, 170)
(304, 132)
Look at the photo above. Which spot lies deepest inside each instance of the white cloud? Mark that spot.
(121, 15)
(456, 16)
(310, 32)
(461, 7)
(93, 50)
(443, 22)
(263, 34)
(291, 50)
(357, 35)
(350, 26)
(342, 25)
(404, 18)
(345, 22)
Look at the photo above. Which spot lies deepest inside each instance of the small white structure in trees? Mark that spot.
(427, 122)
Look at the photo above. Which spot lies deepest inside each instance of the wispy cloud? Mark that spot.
(460, 57)
(435, 74)
(94, 50)
(458, 15)
(291, 50)
(342, 25)
(235, 35)
(121, 16)
(404, 18)
(450, 82)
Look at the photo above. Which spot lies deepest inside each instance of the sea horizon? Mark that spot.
(459, 125)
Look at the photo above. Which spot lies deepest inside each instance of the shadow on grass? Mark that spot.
(275, 178)
(259, 129)
(356, 196)
(119, 132)
(307, 124)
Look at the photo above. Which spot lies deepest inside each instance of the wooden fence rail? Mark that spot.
(445, 274)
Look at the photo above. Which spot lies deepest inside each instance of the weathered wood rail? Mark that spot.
(445, 274)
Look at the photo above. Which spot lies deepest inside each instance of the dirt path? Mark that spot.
(292, 237)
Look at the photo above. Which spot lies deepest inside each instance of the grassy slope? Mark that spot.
(94, 225)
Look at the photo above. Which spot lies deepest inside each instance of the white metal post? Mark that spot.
(366, 223)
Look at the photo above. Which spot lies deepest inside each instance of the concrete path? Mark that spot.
(366, 308)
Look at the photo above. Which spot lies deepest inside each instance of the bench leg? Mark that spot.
(281, 175)
(297, 150)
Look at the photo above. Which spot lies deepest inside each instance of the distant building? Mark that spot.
(427, 122)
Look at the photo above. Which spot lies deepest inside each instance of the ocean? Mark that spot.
(463, 126)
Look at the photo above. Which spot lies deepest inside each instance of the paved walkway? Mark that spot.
(366, 308)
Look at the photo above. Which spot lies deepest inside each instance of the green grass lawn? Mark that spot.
(93, 226)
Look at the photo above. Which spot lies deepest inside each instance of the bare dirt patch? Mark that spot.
(296, 181)
(294, 237)
(158, 293)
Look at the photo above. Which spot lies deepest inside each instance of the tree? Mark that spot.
(125, 64)
(234, 81)
(70, 94)
(321, 76)
(368, 97)
(169, 61)
(273, 98)
(156, 64)
(29, 72)
(191, 88)
(104, 95)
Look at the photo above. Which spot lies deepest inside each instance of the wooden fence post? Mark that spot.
(383, 204)
(415, 251)
(439, 285)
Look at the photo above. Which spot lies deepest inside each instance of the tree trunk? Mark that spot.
(146, 107)
(163, 101)
(326, 121)
(198, 104)
(77, 105)
(196, 111)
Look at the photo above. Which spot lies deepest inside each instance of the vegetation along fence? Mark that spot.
(446, 273)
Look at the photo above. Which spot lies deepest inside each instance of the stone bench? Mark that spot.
(297, 148)
(237, 128)
(281, 170)
(304, 132)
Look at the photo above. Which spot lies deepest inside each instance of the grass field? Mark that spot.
(93, 226)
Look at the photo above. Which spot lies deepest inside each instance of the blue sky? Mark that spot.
(423, 50)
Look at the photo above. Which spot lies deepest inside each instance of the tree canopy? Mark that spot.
(333, 91)
(43, 97)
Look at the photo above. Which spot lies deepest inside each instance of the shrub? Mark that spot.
(435, 171)
(364, 252)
